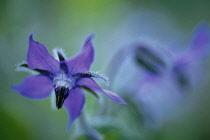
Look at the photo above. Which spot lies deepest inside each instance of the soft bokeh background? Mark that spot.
(66, 24)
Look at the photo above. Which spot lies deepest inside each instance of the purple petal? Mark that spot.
(114, 96)
(200, 39)
(198, 46)
(82, 61)
(74, 104)
(35, 87)
(91, 84)
(38, 57)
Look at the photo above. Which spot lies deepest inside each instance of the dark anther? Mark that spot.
(61, 94)
(149, 60)
(63, 65)
(60, 56)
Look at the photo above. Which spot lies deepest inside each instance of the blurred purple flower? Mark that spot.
(161, 94)
(166, 74)
(66, 77)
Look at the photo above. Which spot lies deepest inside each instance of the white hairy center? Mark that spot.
(62, 80)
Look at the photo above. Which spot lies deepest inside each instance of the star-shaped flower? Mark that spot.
(64, 76)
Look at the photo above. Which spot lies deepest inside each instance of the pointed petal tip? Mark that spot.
(13, 87)
(124, 102)
(31, 35)
(70, 122)
(68, 127)
(202, 28)
(115, 97)
(89, 38)
(121, 102)
(203, 24)
(201, 38)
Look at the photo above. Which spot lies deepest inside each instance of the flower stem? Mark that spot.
(92, 134)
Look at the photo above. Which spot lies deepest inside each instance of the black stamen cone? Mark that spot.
(61, 94)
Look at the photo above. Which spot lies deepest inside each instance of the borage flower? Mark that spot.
(66, 77)
(167, 76)
(160, 95)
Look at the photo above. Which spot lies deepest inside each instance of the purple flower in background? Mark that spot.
(161, 94)
(64, 76)
(166, 75)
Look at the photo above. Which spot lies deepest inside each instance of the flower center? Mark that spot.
(63, 81)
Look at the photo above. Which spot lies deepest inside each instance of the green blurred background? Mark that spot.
(66, 24)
